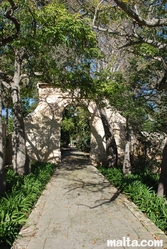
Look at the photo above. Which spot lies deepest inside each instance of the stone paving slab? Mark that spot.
(79, 209)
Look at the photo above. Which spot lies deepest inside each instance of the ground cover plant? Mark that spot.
(140, 187)
(21, 195)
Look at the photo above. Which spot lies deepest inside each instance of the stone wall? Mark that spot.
(118, 124)
(43, 126)
(43, 130)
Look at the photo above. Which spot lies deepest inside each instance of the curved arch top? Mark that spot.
(43, 126)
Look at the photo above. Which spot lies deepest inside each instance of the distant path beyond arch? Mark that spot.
(43, 126)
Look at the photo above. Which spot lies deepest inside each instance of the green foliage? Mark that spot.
(66, 47)
(28, 106)
(124, 97)
(133, 92)
(10, 124)
(76, 123)
(146, 49)
(105, 12)
(140, 187)
(59, 26)
(68, 124)
(58, 44)
(21, 195)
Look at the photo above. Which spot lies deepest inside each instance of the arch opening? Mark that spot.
(75, 127)
(47, 120)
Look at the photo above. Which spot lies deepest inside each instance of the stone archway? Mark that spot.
(43, 126)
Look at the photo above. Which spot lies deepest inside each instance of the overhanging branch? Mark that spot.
(154, 22)
(9, 14)
(5, 78)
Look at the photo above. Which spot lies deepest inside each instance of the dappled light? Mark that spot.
(83, 86)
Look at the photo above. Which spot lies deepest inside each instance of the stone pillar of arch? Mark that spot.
(43, 126)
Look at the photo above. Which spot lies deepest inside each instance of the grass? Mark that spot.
(21, 195)
(140, 187)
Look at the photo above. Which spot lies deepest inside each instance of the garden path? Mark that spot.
(80, 209)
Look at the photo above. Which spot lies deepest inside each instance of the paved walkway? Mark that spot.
(79, 209)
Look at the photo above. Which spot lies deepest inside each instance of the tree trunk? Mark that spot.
(127, 161)
(111, 147)
(20, 157)
(2, 171)
(162, 185)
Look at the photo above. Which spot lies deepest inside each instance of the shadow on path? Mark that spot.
(89, 180)
(74, 159)
(80, 209)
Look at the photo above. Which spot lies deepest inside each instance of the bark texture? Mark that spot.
(127, 158)
(2, 171)
(162, 186)
(127, 161)
(20, 157)
(111, 147)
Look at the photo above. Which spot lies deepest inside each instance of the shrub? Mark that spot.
(21, 195)
(137, 187)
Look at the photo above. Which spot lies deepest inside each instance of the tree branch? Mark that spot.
(6, 84)
(96, 10)
(155, 22)
(5, 77)
(9, 14)
(139, 40)
(108, 30)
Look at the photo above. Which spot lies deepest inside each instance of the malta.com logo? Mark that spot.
(127, 242)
